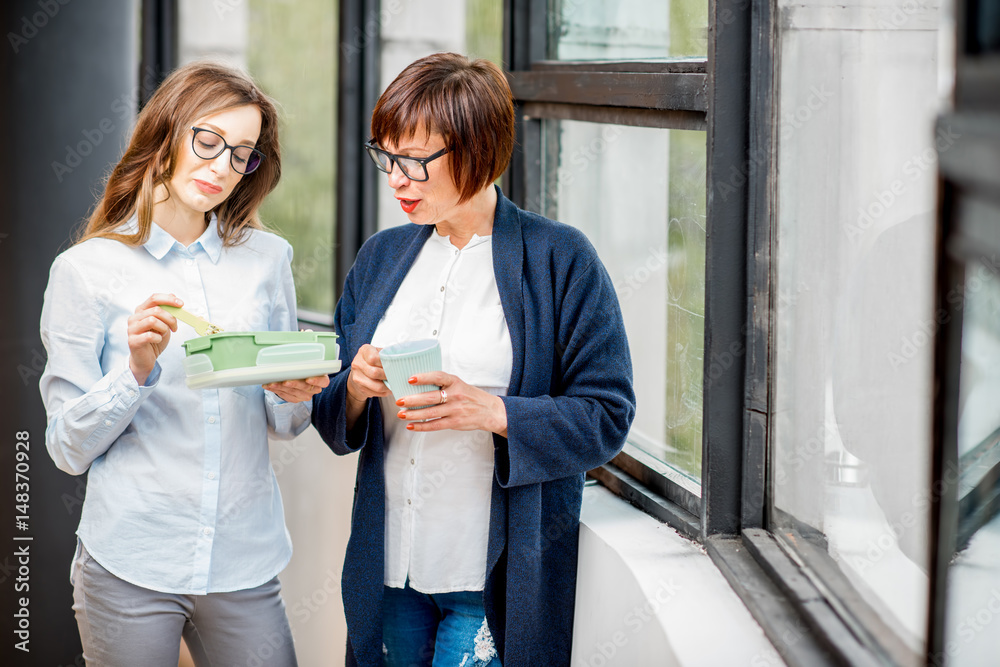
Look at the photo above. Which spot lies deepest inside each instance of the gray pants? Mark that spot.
(123, 625)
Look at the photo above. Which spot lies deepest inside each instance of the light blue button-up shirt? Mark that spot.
(181, 496)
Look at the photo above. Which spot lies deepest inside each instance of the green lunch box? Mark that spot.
(230, 359)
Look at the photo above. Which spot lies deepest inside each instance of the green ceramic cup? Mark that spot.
(401, 361)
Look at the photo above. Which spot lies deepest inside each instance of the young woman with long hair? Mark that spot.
(182, 531)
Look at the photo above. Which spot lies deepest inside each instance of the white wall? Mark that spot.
(317, 488)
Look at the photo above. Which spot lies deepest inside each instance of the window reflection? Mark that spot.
(289, 47)
(854, 302)
(292, 53)
(974, 583)
(627, 29)
(639, 195)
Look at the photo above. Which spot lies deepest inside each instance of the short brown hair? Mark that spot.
(468, 102)
(189, 93)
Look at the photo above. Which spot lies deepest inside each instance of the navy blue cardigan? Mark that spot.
(569, 407)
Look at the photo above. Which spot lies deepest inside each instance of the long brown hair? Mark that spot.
(189, 93)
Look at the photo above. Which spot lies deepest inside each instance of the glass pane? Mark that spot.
(639, 195)
(484, 30)
(854, 301)
(272, 40)
(304, 82)
(984, 26)
(627, 29)
(974, 572)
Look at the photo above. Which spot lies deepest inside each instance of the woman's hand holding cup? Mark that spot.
(366, 380)
(456, 405)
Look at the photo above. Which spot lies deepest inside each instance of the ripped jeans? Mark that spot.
(436, 630)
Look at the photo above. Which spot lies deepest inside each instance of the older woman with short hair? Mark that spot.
(464, 533)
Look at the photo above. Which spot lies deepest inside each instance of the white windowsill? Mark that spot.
(648, 596)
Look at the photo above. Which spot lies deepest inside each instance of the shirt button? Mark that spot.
(207, 531)
(107, 422)
(131, 394)
(442, 288)
(412, 462)
(408, 501)
(190, 262)
(434, 333)
(211, 475)
(211, 420)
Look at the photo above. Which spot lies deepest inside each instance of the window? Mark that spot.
(268, 39)
(614, 142)
(966, 481)
(303, 81)
(638, 193)
(856, 100)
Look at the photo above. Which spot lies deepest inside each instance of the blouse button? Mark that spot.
(211, 420)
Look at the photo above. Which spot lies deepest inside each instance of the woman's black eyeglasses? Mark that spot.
(209, 145)
(414, 168)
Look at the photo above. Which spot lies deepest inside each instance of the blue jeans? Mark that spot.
(438, 630)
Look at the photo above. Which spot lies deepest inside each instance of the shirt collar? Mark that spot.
(446, 240)
(160, 242)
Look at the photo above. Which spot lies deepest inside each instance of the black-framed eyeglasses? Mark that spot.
(209, 145)
(414, 168)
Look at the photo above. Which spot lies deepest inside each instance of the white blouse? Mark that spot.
(438, 484)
